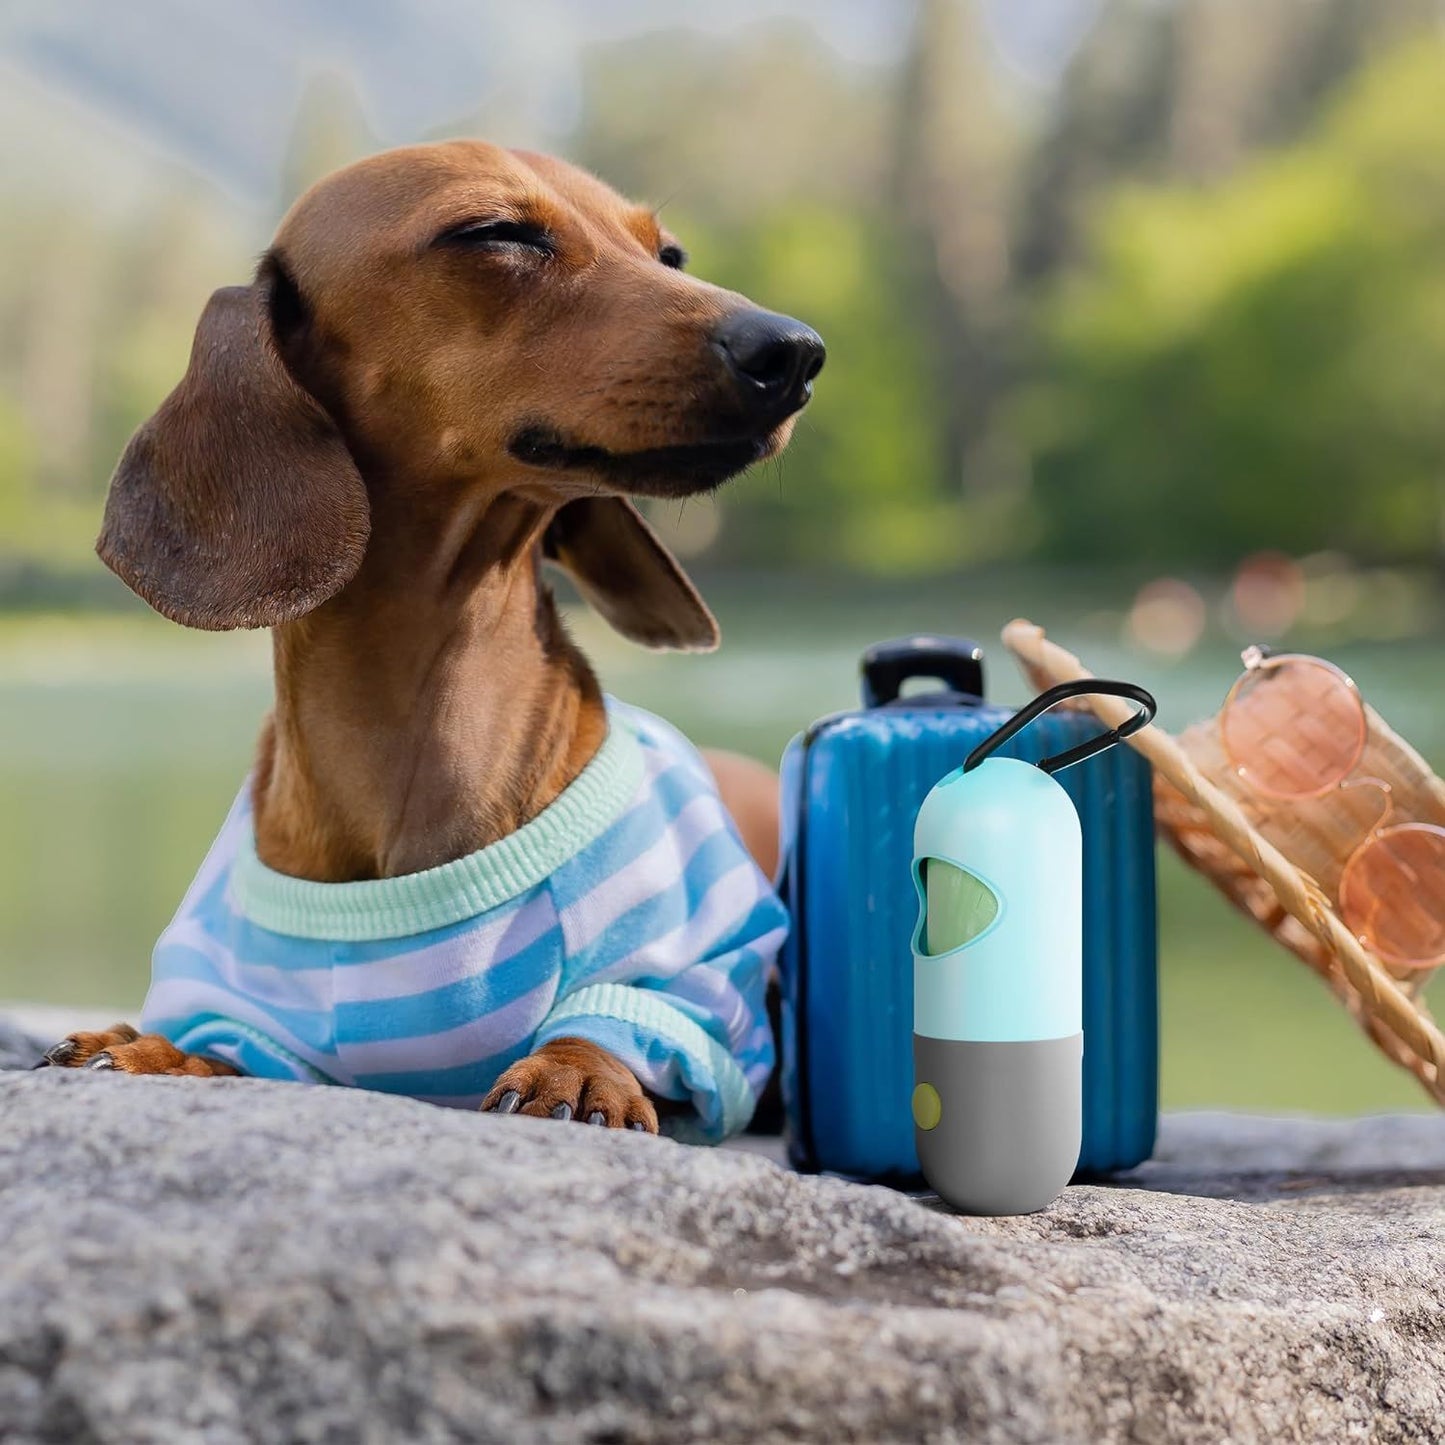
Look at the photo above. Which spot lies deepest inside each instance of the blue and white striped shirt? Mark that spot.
(627, 913)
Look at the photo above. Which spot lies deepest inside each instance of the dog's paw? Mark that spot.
(572, 1079)
(121, 1049)
(81, 1050)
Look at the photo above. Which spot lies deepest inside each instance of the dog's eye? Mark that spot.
(498, 236)
(673, 255)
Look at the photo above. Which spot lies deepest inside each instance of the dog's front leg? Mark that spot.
(125, 1051)
(573, 1079)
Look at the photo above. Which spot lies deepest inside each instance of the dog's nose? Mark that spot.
(774, 357)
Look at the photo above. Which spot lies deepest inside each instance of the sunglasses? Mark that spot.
(1295, 728)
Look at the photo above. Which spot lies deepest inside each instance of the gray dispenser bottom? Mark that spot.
(1009, 1120)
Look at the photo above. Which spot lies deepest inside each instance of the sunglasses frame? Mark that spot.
(1259, 660)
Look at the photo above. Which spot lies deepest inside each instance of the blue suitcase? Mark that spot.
(852, 787)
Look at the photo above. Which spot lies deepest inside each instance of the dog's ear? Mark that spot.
(622, 570)
(238, 504)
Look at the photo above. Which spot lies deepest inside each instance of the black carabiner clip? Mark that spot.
(1085, 687)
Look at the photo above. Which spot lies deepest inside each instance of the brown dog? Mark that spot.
(454, 361)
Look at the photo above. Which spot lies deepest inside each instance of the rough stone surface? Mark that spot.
(18, 1047)
(229, 1261)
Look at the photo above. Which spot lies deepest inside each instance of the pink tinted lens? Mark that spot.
(1392, 894)
(1294, 727)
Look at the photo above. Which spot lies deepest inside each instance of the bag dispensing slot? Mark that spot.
(958, 907)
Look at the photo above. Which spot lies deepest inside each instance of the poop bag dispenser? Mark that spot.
(997, 970)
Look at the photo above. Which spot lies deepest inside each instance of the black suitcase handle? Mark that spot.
(955, 661)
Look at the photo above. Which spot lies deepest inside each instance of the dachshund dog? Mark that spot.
(454, 363)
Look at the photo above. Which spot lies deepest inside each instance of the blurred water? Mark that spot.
(123, 741)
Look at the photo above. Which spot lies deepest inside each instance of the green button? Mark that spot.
(927, 1106)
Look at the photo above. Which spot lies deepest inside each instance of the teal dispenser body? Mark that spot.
(998, 972)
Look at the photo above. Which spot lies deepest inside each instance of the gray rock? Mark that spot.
(19, 1047)
(228, 1260)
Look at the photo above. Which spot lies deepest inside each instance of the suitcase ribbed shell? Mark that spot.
(852, 788)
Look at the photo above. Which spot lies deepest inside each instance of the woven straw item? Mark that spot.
(1280, 863)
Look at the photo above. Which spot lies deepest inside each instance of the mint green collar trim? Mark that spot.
(464, 888)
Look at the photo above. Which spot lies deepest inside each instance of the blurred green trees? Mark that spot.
(1258, 363)
(1186, 304)
(1190, 312)
(96, 317)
